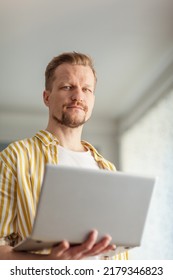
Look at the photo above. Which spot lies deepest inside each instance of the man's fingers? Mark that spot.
(91, 240)
(78, 251)
(59, 250)
(87, 248)
(101, 246)
(109, 248)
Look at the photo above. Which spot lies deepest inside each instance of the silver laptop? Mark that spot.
(74, 201)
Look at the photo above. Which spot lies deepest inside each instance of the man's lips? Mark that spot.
(75, 107)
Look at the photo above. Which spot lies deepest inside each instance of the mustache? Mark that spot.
(76, 103)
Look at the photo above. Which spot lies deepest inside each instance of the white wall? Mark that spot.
(102, 134)
(18, 125)
(146, 148)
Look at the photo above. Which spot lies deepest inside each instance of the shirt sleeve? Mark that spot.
(8, 227)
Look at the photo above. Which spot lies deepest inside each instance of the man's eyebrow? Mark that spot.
(64, 81)
(88, 85)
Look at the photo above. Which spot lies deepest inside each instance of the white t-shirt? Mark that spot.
(71, 158)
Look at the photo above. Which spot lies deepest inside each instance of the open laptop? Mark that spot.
(73, 201)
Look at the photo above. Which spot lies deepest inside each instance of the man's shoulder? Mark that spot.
(15, 153)
(17, 147)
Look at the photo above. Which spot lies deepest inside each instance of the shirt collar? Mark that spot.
(46, 137)
(104, 164)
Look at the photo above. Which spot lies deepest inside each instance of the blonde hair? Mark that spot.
(73, 58)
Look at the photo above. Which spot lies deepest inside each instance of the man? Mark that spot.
(70, 81)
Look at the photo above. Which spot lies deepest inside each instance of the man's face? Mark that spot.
(71, 98)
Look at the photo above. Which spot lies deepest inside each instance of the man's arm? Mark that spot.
(63, 251)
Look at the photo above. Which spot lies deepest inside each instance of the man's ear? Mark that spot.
(46, 95)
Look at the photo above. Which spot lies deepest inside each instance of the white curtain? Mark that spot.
(147, 148)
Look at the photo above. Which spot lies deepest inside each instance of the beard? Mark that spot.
(71, 119)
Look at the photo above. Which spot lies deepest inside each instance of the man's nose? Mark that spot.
(77, 94)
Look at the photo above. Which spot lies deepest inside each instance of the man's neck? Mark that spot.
(69, 138)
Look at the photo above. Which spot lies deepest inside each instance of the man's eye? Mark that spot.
(87, 90)
(66, 87)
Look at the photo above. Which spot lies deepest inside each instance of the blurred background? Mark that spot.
(131, 43)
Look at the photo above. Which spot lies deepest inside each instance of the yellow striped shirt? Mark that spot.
(22, 166)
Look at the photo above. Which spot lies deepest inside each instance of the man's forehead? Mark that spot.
(67, 70)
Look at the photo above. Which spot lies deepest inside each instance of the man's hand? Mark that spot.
(63, 251)
(86, 249)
